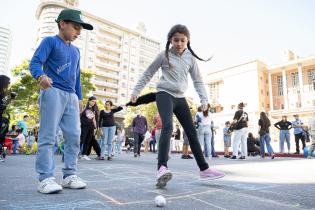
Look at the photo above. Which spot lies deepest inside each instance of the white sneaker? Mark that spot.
(85, 157)
(48, 186)
(73, 182)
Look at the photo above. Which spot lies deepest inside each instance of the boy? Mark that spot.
(56, 67)
(227, 139)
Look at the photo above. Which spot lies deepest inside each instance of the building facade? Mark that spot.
(117, 55)
(5, 50)
(284, 89)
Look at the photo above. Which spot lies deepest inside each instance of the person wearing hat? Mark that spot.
(240, 121)
(297, 124)
(56, 66)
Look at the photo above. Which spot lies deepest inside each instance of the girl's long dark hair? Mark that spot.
(183, 30)
(4, 84)
(265, 120)
(206, 112)
(93, 108)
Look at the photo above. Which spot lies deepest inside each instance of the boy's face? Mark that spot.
(70, 30)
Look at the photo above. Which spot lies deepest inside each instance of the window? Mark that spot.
(280, 85)
(295, 79)
(311, 79)
(214, 91)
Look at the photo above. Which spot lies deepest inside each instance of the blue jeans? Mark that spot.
(15, 144)
(204, 136)
(107, 140)
(58, 108)
(284, 136)
(265, 139)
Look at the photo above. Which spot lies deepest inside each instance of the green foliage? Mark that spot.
(27, 90)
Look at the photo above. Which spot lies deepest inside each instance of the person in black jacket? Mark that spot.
(284, 126)
(89, 119)
(108, 128)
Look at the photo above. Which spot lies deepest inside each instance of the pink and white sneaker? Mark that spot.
(211, 174)
(164, 175)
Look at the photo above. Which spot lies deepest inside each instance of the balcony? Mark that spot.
(106, 93)
(108, 57)
(105, 74)
(108, 66)
(110, 31)
(109, 39)
(105, 84)
(109, 48)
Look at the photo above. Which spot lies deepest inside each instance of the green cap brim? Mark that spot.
(84, 25)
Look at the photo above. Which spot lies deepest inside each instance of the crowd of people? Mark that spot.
(65, 121)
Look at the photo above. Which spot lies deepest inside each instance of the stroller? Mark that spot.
(129, 144)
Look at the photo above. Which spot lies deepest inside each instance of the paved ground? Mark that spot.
(128, 183)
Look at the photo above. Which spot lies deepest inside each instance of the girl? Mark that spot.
(264, 124)
(204, 131)
(108, 128)
(176, 63)
(89, 119)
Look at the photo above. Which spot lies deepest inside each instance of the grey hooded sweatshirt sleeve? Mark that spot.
(174, 79)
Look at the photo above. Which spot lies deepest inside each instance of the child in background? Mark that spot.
(227, 139)
(29, 143)
(21, 140)
(147, 139)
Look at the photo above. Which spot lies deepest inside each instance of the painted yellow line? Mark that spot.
(108, 197)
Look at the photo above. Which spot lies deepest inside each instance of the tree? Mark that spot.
(27, 90)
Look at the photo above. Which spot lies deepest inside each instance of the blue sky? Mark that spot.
(234, 31)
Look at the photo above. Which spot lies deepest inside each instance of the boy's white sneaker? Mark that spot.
(85, 157)
(73, 182)
(48, 186)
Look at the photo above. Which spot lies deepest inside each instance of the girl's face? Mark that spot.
(179, 42)
(92, 102)
(107, 105)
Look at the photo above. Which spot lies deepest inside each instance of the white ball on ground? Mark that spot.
(160, 201)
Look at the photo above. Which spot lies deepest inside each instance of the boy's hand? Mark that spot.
(44, 82)
(81, 106)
